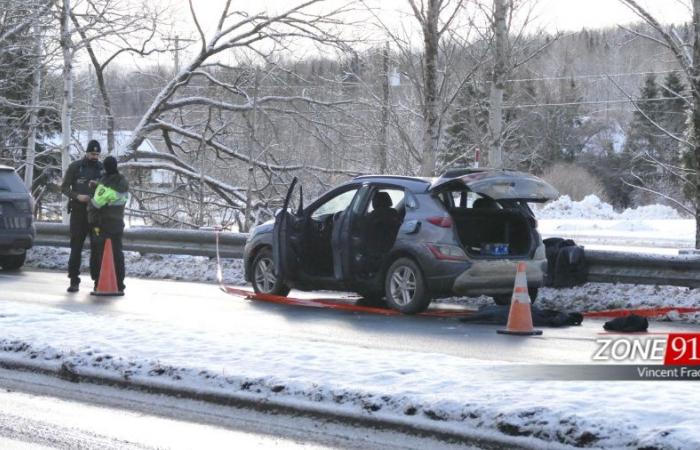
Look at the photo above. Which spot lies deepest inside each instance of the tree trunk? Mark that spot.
(431, 136)
(384, 125)
(495, 158)
(251, 167)
(695, 85)
(34, 112)
(67, 110)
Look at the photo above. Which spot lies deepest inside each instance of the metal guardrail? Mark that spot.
(603, 266)
(156, 240)
(633, 268)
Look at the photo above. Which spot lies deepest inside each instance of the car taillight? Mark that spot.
(447, 252)
(441, 221)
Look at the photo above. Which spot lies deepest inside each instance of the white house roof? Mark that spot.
(81, 138)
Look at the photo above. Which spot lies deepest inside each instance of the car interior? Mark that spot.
(482, 222)
(377, 227)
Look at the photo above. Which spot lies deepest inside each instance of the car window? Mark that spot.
(467, 200)
(336, 204)
(10, 181)
(397, 197)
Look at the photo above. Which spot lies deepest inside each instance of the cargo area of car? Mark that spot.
(493, 232)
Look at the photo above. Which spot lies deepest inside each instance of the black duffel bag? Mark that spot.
(566, 263)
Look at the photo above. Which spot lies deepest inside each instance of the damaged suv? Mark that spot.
(405, 240)
(16, 221)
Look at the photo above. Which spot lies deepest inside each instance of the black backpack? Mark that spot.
(566, 263)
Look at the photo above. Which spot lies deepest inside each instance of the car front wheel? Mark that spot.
(265, 281)
(12, 262)
(405, 287)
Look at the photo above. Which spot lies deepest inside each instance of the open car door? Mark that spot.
(497, 184)
(287, 237)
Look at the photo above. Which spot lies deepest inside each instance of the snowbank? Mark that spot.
(591, 207)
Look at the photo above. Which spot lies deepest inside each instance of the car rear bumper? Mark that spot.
(497, 276)
(15, 243)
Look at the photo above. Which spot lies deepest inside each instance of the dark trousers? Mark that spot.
(79, 230)
(97, 245)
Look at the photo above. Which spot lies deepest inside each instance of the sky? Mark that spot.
(551, 15)
(555, 15)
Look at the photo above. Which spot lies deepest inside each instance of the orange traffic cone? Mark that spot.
(107, 283)
(520, 315)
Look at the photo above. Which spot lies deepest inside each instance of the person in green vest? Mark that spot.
(106, 218)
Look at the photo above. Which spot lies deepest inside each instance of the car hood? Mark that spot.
(265, 227)
(498, 185)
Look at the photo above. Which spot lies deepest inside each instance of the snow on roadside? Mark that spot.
(366, 382)
(591, 207)
(166, 267)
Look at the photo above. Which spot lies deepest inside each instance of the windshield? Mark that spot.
(10, 182)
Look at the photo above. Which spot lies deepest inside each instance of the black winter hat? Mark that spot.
(93, 146)
(110, 165)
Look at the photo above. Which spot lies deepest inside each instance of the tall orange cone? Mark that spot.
(107, 283)
(520, 315)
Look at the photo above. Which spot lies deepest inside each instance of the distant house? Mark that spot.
(608, 140)
(121, 137)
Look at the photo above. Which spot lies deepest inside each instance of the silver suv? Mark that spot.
(16, 221)
(403, 241)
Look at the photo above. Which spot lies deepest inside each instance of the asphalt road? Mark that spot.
(204, 304)
(40, 412)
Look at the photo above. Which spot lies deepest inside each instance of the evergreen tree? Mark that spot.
(469, 124)
(652, 151)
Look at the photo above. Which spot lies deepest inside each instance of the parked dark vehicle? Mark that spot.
(406, 239)
(16, 221)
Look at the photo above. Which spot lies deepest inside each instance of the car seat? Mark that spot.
(382, 224)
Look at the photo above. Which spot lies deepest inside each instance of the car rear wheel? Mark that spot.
(405, 287)
(265, 281)
(504, 299)
(12, 262)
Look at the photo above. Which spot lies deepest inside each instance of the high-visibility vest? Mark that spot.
(106, 196)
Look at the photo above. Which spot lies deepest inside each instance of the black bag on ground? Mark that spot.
(498, 315)
(566, 263)
(627, 324)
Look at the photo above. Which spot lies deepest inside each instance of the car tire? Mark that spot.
(405, 288)
(12, 262)
(264, 279)
(504, 299)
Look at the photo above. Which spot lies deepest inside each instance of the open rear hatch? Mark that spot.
(501, 227)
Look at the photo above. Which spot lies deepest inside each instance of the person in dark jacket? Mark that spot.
(78, 185)
(106, 218)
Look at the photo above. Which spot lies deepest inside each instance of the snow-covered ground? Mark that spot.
(436, 390)
(430, 389)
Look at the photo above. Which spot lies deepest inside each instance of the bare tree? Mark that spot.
(67, 108)
(687, 54)
(448, 60)
(206, 83)
(115, 29)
